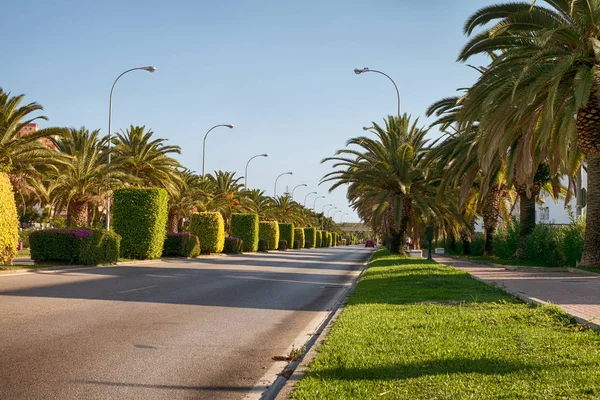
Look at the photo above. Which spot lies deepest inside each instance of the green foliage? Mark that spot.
(263, 245)
(233, 245)
(299, 238)
(58, 222)
(283, 245)
(9, 222)
(140, 217)
(506, 240)
(329, 239)
(210, 229)
(181, 245)
(573, 242)
(318, 238)
(477, 244)
(246, 227)
(269, 231)
(310, 235)
(75, 246)
(286, 232)
(544, 244)
(24, 236)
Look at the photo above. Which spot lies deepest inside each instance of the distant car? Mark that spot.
(369, 243)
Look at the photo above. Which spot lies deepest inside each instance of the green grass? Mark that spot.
(23, 253)
(414, 329)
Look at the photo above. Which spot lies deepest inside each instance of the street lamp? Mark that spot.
(328, 211)
(315, 202)
(280, 175)
(230, 126)
(305, 197)
(149, 69)
(297, 186)
(334, 214)
(246, 170)
(359, 71)
(367, 128)
(342, 217)
(323, 209)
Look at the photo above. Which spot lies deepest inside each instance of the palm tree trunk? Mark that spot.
(526, 219)
(591, 243)
(406, 215)
(491, 211)
(77, 214)
(172, 222)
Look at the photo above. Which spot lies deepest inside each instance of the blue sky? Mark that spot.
(280, 71)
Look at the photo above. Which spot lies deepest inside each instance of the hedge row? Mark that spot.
(75, 246)
(210, 229)
(181, 245)
(299, 238)
(269, 232)
(245, 227)
(318, 239)
(9, 222)
(286, 233)
(309, 237)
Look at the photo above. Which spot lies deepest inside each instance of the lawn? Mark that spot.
(415, 329)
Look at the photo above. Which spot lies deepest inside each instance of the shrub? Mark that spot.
(318, 238)
(544, 245)
(210, 229)
(181, 245)
(310, 235)
(477, 244)
(506, 239)
(9, 221)
(286, 233)
(573, 242)
(283, 245)
(329, 239)
(334, 239)
(263, 245)
(245, 227)
(24, 236)
(75, 246)
(233, 245)
(269, 231)
(58, 222)
(140, 217)
(299, 237)
(324, 238)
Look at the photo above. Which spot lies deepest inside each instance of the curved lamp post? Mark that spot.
(149, 69)
(342, 217)
(315, 202)
(280, 175)
(335, 213)
(246, 170)
(328, 211)
(367, 128)
(306, 197)
(323, 209)
(297, 186)
(359, 71)
(230, 126)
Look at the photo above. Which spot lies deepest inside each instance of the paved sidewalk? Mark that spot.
(575, 292)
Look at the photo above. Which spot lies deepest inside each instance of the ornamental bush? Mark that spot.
(299, 238)
(210, 229)
(269, 231)
(75, 246)
(286, 232)
(233, 245)
(318, 238)
(310, 235)
(140, 217)
(263, 245)
(245, 227)
(323, 238)
(283, 245)
(181, 245)
(329, 239)
(9, 221)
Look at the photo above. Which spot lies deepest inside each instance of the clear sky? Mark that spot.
(280, 71)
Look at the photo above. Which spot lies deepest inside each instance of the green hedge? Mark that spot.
(299, 238)
(323, 238)
(263, 245)
(319, 238)
(181, 245)
(210, 229)
(286, 232)
(245, 227)
(140, 217)
(233, 245)
(269, 231)
(75, 246)
(310, 235)
(9, 221)
(329, 239)
(283, 245)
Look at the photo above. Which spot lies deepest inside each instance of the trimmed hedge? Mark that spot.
(233, 245)
(269, 231)
(318, 238)
(9, 221)
(334, 239)
(263, 245)
(299, 238)
(309, 237)
(286, 232)
(283, 245)
(140, 217)
(245, 227)
(210, 229)
(329, 239)
(75, 246)
(181, 245)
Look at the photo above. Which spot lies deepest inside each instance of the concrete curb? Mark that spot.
(522, 267)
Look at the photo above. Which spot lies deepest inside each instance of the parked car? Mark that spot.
(369, 243)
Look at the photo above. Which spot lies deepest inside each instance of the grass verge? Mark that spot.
(415, 329)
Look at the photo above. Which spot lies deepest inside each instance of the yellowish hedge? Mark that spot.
(9, 222)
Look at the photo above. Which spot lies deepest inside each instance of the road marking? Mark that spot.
(135, 290)
(160, 276)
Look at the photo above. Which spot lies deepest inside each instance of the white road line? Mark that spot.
(135, 290)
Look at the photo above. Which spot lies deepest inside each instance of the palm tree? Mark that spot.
(191, 196)
(226, 194)
(545, 71)
(256, 201)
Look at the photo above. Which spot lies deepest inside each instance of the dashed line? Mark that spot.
(135, 290)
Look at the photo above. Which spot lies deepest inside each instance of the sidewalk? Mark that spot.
(576, 293)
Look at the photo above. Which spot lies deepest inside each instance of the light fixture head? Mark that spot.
(359, 71)
(289, 173)
(366, 128)
(150, 68)
(230, 126)
(304, 184)
(264, 155)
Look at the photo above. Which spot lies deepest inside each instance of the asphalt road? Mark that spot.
(203, 328)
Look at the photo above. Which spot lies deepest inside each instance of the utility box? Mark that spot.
(415, 253)
(439, 250)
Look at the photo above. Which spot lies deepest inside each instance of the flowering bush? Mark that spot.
(181, 245)
(233, 245)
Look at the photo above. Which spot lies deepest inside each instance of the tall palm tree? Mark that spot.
(226, 194)
(256, 201)
(546, 71)
(191, 196)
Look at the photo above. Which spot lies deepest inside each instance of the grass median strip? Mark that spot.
(415, 329)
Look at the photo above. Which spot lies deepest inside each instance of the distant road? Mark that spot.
(203, 328)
